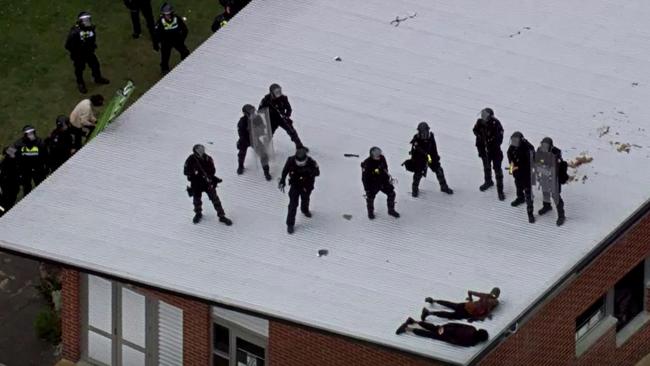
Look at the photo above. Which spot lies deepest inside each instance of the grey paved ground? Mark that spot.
(19, 304)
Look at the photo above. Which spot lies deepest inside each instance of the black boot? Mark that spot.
(531, 218)
(225, 220)
(546, 208)
(392, 212)
(370, 205)
(445, 189)
(485, 186)
(82, 87)
(390, 202)
(267, 173)
(560, 213)
(197, 218)
(502, 196)
(517, 201)
(415, 190)
(290, 229)
(240, 170)
(306, 212)
(425, 313)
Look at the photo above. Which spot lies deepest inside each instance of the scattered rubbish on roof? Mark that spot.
(635, 84)
(210, 143)
(602, 131)
(351, 155)
(623, 147)
(519, 32)
(323, 252)
(347, 217)
(337, 58)
(581, 159)
(396, 22)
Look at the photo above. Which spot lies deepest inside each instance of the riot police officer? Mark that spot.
(170, 32)
(424, 156)
(521, 155)
(82, 43)
(552, 188)
(199, 170)
(302, 171)
(9, 179)
(62, 143)
(135, 8)
(376, 178)
(489, 136)
(251, 125)
(280, 112)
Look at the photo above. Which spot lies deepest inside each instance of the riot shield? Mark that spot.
(546, 171)
(262, 135)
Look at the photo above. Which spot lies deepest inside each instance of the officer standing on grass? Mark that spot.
(135, 8)
(82, 43)
(9, 179)
(302, 171)
(61, 144)
(32, 159)
(170, 32)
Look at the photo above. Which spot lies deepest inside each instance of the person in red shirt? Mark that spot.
(473, 309)
(455, 333)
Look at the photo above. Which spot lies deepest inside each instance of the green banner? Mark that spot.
(113, 108)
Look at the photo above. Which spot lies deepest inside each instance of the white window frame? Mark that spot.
(236, 331)
(151, 325)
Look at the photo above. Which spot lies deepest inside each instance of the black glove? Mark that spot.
(217, 180)
(281, 186)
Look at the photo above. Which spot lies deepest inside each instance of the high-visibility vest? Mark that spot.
(29, 151)
(171, 25)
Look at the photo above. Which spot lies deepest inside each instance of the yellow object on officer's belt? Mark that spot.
(376, 171)
(429, 158)
(512, 168)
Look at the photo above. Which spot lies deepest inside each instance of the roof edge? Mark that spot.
(566, 279)
(18, 250)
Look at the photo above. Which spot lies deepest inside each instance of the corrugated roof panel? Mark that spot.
(558, 68)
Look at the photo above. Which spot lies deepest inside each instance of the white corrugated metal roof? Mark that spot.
(562, 68)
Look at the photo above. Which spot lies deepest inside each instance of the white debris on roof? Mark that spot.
(119, 206)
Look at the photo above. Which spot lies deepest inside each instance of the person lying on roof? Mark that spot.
(455, 333)
(471, 310)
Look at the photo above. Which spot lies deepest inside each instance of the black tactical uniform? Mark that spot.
(32, 159)
(170, 32)
(199, 169)
(280, 112)
(521, 155)
(135, 8)
(244, 142)
(375, 179)
(424, 156)
(82, 43)
(61, 144)
(302, 171)
(489, 137)
(547, 144)
(222, 19)
(9, 179)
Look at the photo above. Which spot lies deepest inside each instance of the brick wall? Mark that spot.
(548, 338)
(294, 345)
(70, 315)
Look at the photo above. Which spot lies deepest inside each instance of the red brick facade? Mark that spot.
(548, 338)
(197, 322)
(70, 315)
(293, 345)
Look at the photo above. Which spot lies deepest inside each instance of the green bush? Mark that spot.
(48, 326)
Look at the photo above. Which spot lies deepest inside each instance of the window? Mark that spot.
(629, 296)
(238, 339)
(590, 317)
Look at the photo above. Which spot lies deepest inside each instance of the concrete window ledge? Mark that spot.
(583, 344)
(631, 328)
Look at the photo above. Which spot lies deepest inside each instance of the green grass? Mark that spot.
(36, 75)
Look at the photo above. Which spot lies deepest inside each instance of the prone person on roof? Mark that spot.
(455, 333)
(472, 310)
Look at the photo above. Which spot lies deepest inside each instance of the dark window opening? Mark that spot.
(221, 338)
(590, 317)
(629, 296)
(249, 354)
